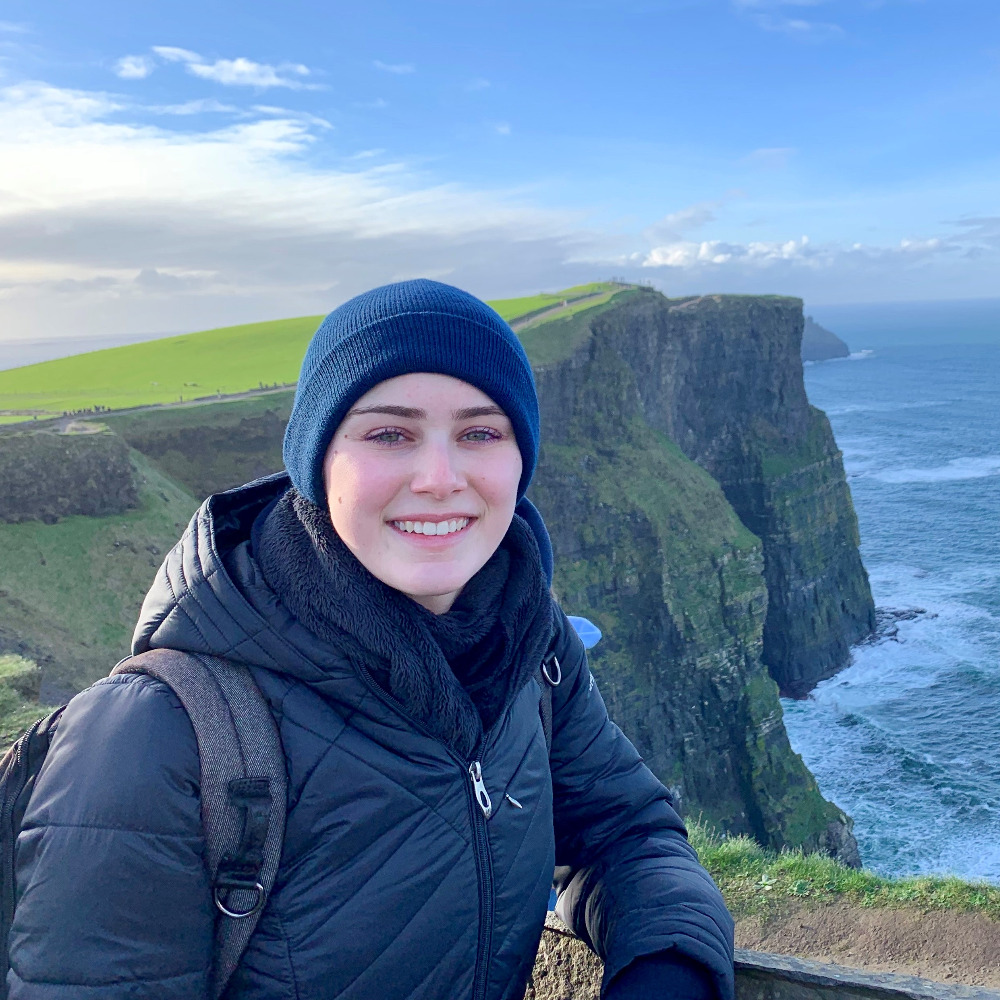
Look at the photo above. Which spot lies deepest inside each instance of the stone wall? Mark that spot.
(566, 969)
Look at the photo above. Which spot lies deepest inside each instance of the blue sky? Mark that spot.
(171, 167)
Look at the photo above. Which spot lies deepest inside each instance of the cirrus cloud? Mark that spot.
(239, 72)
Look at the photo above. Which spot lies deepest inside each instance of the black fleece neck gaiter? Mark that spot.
(455, 673)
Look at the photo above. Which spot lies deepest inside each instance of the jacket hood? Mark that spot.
(209, 595)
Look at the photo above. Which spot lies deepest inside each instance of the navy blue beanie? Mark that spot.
(409, 326)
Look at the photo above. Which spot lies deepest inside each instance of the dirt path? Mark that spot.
(947, 946)
(520, 324)
(61, 423)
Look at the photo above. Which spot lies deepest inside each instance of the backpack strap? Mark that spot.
(244, 787)
(548, 676)
(18, 770)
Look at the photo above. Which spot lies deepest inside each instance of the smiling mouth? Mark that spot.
(451, 527)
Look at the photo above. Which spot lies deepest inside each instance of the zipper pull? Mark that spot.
(482, 796)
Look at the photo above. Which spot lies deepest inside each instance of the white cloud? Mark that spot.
(13, 28)
(292, 115)
(687, 254)
(770, 157)
(672, 227)
(202, 106)
(134, 67)
(247, 73)
(767, 15)
(173, 54)
(375, 105)
(797, 27)
(400, 69)
(239, 72)
(502, 128)
(763, 254)
(480, 83)
(110, 225)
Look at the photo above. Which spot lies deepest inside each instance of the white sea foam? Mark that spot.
(905, 738)
(881, 407)
(981, 467)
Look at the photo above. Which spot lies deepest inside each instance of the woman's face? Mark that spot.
(421, 480)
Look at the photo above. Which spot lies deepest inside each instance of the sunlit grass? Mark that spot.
(757, 882)
(210, 363)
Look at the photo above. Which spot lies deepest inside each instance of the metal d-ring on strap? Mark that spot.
(553, 677)
(256, 908)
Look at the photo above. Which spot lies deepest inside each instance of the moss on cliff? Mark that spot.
(649, 548)
(720, 375)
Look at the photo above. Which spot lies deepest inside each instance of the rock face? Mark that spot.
(720, 377)
(210, 456)
(641, 400)
(46, 476)
(820, 344)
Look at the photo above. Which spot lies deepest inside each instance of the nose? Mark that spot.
(438, 470)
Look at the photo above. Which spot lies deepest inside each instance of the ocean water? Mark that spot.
(907, 739)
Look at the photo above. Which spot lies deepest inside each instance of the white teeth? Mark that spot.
(431, 527)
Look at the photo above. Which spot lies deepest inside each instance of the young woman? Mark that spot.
(390, 596)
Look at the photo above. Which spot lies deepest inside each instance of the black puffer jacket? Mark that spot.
(392, 882)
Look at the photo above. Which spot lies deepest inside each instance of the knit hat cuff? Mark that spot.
(435, 342)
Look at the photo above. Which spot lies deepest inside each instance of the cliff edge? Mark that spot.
(720, 376)
(700, 516)
(821, 344)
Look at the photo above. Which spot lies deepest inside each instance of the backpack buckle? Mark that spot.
(233, 884)
(551, 670)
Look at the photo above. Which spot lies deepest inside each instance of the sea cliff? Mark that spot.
(720, 377)
(691, 566)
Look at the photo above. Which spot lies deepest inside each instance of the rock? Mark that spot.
(566, 969)
(45, 476)
(819, 344)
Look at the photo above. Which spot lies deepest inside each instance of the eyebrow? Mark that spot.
(411, 413)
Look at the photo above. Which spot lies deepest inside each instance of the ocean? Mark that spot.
(907, 739)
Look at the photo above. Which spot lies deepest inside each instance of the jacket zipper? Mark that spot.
(481, 808)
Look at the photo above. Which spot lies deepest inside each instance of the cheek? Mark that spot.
(503, 477)
(355, 487)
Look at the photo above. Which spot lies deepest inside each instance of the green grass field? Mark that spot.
(225, 361)
(229, 360)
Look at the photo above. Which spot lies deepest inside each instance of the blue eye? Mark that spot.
(482, 434)
(386, 436)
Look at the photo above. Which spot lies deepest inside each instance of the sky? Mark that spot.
(172, 167)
